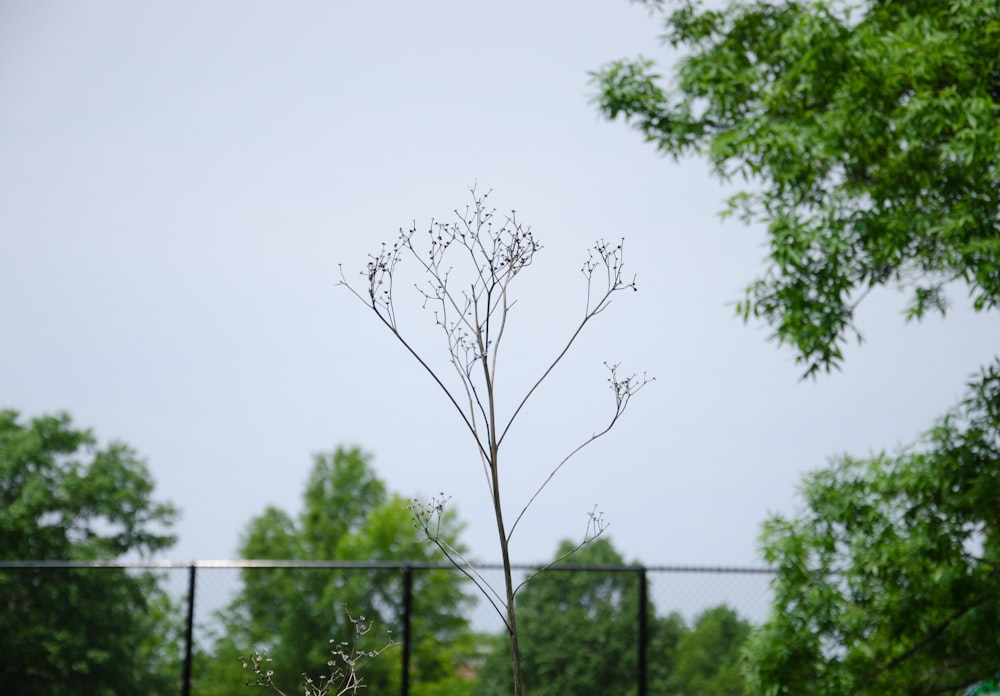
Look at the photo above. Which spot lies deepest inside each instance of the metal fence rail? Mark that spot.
(687, 588)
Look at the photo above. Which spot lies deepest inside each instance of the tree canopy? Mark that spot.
(581, 635)
(889, 580)
(869, 137)
(66, 631)
(867, 132)
(578, 630)
(708, 656)
(347, 515)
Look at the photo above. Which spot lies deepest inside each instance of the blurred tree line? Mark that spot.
(75, 631)
(109, 631)
(580, 636)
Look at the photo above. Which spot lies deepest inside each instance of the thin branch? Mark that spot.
(624, 390)
(423, 513)
(595, 528)
(469, 570)
(345, 664)
(472, 395)
(611, 259)
(932, 636)
(423, 364)
(504, 303)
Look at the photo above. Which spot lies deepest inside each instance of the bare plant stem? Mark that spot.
(515, 649)
(472, 312)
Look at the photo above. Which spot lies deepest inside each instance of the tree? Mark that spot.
(707, 658)
(889, 581)
(578, 630)
(868, 133)
(295, 613)
(470, 266)
(70, 630)
(580, 635)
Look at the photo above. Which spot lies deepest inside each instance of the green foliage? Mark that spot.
(69, 631)
(579, 634)
(986, 686)
(868, 133)
(348, 515)
(889, 580)
(708, 656)
(577, 630)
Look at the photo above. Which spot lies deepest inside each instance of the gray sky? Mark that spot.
(179, 181)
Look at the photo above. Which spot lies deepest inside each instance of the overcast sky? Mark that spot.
(180, 180)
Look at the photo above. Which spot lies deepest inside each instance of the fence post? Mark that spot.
(404, 688)
(189, 638)
(643, 629)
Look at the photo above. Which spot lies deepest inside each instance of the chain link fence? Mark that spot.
(203, 591)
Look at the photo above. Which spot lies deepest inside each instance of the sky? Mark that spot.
(180, 183)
